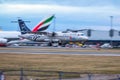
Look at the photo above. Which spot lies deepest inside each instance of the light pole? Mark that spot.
(111, 29)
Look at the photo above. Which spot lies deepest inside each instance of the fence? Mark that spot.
(24, 74)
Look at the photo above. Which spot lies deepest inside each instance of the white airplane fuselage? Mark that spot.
(5, 36)
(60, 36)
(9, 34)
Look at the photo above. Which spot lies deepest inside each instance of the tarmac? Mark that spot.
(59, 50)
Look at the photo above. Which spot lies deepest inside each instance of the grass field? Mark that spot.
(69, 63)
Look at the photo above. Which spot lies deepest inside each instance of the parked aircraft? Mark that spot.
(6, 36)
(57, 37)
(52, 37)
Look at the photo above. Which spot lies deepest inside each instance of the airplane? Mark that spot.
(11, 37)
(57, 37)
(51, 37)
(37, 35)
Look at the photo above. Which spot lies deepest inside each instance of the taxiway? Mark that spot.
(60, 50)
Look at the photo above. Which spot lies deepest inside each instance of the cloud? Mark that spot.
(66, 2)
(33, 8)
(28, 8)
(75, 13)
(71, 13)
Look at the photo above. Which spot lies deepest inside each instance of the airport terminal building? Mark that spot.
(102, 36)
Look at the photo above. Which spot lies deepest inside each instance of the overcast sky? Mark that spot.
(70, 14)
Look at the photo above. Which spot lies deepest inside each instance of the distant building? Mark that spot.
(102, 36)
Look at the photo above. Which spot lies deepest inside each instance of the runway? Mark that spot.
(59, 50)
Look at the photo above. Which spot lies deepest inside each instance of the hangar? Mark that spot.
(103, 36)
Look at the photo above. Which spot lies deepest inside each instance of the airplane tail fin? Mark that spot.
(44, 24)
(23, 28)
